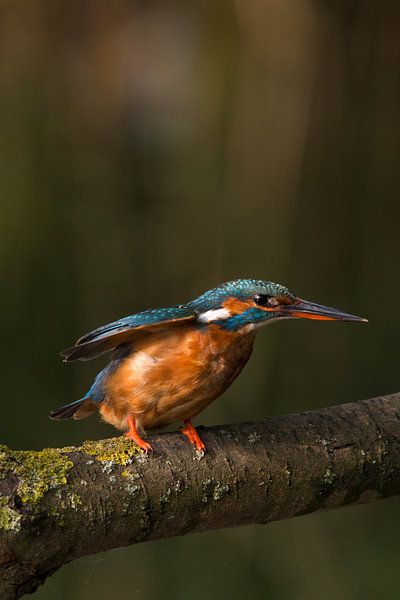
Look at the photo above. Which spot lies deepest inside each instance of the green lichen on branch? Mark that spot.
(10, 519)
(113, 451)
(36, 471)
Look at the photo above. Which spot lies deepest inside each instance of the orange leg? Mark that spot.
(190, 432)
(134, 435)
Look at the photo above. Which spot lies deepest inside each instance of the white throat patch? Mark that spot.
(214, 315)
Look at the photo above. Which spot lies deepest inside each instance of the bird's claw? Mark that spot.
(199, 454)
(145, 446)
(190, 432)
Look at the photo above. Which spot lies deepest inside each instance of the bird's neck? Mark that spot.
(243, 323)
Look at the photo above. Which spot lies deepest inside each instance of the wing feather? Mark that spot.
(126, 330)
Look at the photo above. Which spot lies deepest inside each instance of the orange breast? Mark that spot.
(174, 375)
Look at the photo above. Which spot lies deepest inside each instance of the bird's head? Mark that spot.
(246, 304)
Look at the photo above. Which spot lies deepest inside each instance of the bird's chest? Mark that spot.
(197, 356)
(206, 361)
(189, 367)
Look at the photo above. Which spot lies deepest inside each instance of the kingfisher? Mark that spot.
(168, 364)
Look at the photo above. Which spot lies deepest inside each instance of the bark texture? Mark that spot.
(60, 504)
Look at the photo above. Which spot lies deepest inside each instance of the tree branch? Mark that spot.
(60, 504)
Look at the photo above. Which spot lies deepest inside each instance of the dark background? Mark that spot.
(151, 150)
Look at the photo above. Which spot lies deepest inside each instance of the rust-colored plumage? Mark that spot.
(174, 376)
(170, 364)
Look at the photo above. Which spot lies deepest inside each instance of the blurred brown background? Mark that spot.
(151, 150)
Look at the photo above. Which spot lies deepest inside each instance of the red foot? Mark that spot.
(190, 432)
(132, 433)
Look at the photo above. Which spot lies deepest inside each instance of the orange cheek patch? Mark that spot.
(236, 306)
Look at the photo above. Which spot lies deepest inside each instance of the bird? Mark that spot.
(169, 364)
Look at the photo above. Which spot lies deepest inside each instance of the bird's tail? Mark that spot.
(79, 409)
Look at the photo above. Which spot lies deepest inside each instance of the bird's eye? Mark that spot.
(265, 300)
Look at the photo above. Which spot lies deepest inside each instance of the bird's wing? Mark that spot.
(126, 330)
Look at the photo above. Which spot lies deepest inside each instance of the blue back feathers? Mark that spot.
(153, 316)
(125, 330)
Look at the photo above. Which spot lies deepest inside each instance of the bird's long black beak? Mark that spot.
(303, 309)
